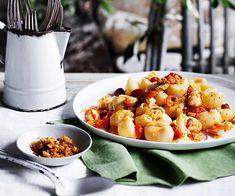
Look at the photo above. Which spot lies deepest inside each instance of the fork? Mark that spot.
(54, 15)
(63, 186)
(13, 15)
(48, 15)
(31, 21)
(59, 20)
(27, 5)
(18, 16)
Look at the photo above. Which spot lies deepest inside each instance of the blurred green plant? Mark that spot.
(225, 3)
(105, 4)
(66, 3)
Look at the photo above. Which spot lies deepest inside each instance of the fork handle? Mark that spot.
(32, 165)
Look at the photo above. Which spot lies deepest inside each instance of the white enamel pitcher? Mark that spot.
(34, 73)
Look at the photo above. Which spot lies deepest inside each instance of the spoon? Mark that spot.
(64, 186)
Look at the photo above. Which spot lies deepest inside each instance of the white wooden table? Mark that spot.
(16, 180)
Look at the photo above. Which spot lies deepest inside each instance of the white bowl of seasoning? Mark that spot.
(80, 139)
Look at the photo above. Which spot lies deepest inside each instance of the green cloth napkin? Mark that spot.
(136, 166)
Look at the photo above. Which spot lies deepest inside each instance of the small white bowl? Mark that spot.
(80, 138)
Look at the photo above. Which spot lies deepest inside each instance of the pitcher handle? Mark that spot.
(3, 28)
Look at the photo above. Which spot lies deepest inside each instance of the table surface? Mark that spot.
(16, 180)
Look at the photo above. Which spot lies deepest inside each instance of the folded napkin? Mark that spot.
(137, 166)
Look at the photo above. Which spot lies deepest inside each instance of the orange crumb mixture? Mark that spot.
(54, 147)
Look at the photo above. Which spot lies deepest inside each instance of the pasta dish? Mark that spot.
(163, 109)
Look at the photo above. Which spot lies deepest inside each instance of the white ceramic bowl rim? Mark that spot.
(80, 138)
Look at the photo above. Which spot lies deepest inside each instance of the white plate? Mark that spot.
(90, 95)
(80, 138)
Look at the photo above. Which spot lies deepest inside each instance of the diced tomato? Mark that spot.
(224, 126)
(128, 103)
(102, 123)
(209, 109)
(197, 109)
(139, 131)
(227, 126)
(214, 131)
(189, 123)
(155, 79)
(171, 100)
(151, 94)
(113, 130)
(175, 75)
(190, 90)
(217, 128)
(225, 106)
(177, 132)
(172, 78)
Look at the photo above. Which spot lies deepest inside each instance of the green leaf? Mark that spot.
(189, 5)
(106, 6)
(224, 3)
(231, 5)
(65, 3)
(32, 2)
(160, 1)
(215, 3)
